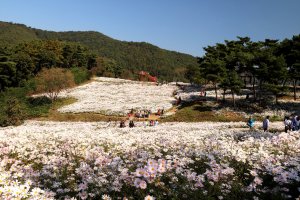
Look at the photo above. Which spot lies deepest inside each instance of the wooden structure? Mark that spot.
(145, 76)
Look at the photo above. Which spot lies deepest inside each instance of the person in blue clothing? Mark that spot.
(250, 123)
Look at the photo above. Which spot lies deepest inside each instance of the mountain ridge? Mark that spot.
(132, 56)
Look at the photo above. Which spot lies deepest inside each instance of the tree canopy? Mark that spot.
(270, 64)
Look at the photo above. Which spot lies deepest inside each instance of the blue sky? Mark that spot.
(180, 25)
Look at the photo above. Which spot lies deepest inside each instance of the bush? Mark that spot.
(39, 101)
(80, 74)
(13, 113)
(53, 81)
(28, 107)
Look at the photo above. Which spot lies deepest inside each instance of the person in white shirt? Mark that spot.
(266, 123)
(287, 124)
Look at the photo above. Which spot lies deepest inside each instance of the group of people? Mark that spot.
(151, 123)
(131, 123)
(144, 113)
(140, 113)
(123, 124)
(291, 123)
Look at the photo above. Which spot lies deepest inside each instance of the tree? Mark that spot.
(193, 73)
(54, 80)
(24, 67)
(7, 72)
(231, 82)
(290, 49)
(271, 67)
(212, 66)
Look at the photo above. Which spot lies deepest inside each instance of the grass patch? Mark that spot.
(54, 115)
(200, 112)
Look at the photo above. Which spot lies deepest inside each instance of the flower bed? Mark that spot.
(117, 97)
(44, 160)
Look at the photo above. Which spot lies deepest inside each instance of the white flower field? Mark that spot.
(99, 160)
(118, 97)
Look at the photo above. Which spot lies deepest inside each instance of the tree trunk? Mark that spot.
(216, 91)
(253, 87)
(233, 99)
(224, 95)
(284, 82)
(294, 84)
(276, 99)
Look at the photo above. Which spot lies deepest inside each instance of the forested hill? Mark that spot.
(130, 56)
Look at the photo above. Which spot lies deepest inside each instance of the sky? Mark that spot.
(180, 25)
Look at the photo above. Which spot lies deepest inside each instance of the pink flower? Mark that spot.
(137, 182)
(82, 186)
(257, 180)
(152, 169)
(143, 184)
(139, 172)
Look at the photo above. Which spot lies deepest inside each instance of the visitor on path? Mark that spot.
(297, 123)
(266, 123)
(287, 124)
(131, 124)
(156, 123)
(122, 124)
(178, 101)
(151, 123)
(146, 123)
(294, 123)
(158, 112)
(250, 123)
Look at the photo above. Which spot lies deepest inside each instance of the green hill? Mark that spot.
(131, 56)
(11, 34)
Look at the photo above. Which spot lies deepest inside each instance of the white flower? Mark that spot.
(106, 197)
(148, 197)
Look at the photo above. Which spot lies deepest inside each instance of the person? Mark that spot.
(297, 123)
(151, 123)
(108, 122)
(178, 101)
(131, 124)
(250, 123)
(266, 123)
(158, 112)
(162, 111)
(156, 123)
(287, 124)
(294, 123)
(122, 124)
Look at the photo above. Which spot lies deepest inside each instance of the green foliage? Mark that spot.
(80, 74)
(129, 56)
(15, 106)
(193, 74)
(7, 74)
(269, 64)
(199, 112)
(275, 90)
(11, 34)
(13, 113)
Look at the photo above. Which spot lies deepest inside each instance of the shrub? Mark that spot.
(53, 81)
(80, 74)
(13, 113)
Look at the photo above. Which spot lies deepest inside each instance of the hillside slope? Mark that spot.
(132, 56)
(11, 34)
